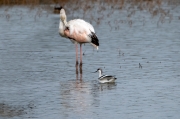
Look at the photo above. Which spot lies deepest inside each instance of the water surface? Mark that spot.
(38, 75)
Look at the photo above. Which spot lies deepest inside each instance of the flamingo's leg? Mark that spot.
(81, 54)
(76, 54)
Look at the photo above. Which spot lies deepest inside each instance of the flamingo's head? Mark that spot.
(62, 14)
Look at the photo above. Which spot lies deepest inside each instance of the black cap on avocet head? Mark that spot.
(99, 69)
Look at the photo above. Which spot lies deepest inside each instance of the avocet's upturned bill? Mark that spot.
(78, 31)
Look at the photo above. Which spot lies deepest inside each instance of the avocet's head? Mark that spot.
(99, 69)
(62, 14)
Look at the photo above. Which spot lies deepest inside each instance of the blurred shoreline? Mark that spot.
(76, 2)
(103, 9)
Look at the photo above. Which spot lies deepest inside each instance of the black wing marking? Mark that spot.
(94, 38)
(108, 77)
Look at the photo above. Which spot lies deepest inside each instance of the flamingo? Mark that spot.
(78, 31)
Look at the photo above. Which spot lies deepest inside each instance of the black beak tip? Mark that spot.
(58, 8)
(61, 7)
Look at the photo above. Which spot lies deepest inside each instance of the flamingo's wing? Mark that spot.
(82, 32)
(80, 26)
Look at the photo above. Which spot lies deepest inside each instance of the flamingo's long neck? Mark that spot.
(61, 28)
(62, 22)
(65, 23)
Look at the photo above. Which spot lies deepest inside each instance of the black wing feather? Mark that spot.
(94, 39)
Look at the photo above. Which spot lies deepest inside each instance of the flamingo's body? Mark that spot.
(78, 31)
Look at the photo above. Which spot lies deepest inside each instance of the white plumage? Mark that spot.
(105, 78)
(78, 31)
(80, 26)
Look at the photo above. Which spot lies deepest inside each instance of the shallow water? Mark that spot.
(38, 75)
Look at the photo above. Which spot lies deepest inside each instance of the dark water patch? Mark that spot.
(11, 111)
